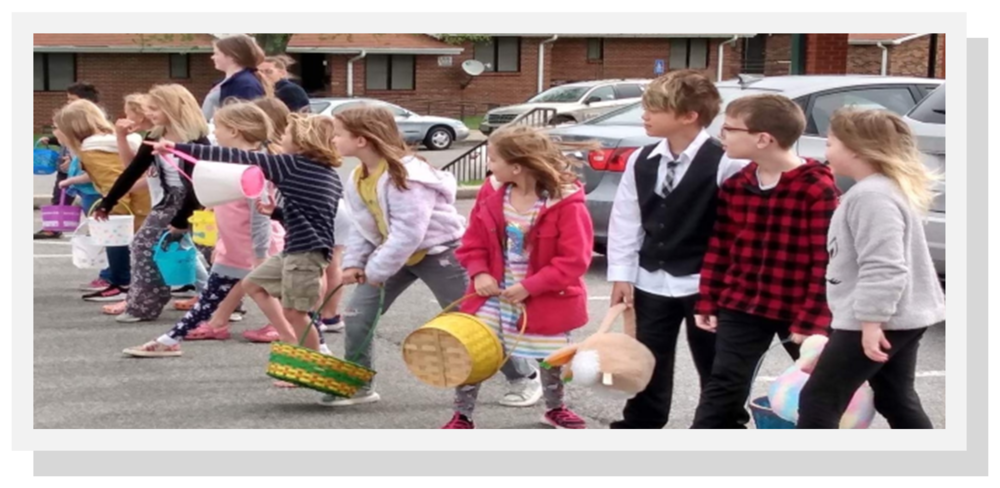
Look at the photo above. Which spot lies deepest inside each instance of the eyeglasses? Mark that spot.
(726, 129)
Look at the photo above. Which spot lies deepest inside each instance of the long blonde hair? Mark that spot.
(885, 141)
(377, 125)
(542, 157)
(183, 111)
(250, 122)
(78, 121)
(313, 136)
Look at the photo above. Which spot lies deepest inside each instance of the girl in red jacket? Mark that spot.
(528, 244)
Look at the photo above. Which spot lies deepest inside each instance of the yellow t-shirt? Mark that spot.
(368, 189)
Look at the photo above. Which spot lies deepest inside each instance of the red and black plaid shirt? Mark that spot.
(768, 253)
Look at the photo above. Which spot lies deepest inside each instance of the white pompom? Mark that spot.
(586, 368)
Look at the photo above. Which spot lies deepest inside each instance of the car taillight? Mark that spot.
(613, 160)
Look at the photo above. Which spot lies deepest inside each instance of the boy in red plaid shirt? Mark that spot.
(764, 274)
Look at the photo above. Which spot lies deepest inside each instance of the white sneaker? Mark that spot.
(127, 318)
(360, 398)
(524, 392)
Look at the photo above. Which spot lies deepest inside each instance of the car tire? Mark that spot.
(562, 119)
(439, 138)
(601, 249)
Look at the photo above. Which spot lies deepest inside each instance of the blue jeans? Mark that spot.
(119, 270)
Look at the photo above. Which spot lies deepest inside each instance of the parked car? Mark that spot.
(926, 120)
(621, 132)
(436, 133)
(573, 102)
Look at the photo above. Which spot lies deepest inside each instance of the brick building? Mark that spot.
(905, 54)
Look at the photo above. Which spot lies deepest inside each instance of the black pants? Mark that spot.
(57, 192)
(843, 368)
(658, 323)
(741, 340)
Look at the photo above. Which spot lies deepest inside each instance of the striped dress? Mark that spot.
(503, 316)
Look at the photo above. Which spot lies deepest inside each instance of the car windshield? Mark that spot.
(632, 114)
(318, 107)
(560, 94)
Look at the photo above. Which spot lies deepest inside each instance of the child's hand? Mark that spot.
(354, 276)
(43, 141)
(798, 338)
(706, 322)
(100, 215)
(265, 208)
(873, 341)
(486, 285)
(161, 147)
(64, 165)
(515, 294)
(123, 127)
(622, 292)
(64, 184)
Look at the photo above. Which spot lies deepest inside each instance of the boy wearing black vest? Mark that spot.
(661, 222)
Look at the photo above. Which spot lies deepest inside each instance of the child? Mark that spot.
(406, 228)
(288, 286)
(881, 284)
(84, 129)
(763, 273)
(529, 242)
(245, 238)
(660, 224)
(177, 118)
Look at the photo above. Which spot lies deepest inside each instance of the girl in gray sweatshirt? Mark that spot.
(882, 288)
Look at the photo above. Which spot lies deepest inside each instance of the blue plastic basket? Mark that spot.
(46, 160)
(764, 417)
(177, 263)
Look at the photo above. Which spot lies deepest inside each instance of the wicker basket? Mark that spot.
(455, 349)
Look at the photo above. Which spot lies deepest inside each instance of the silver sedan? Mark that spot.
(436, 133)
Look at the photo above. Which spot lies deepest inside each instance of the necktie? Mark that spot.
(668, 182)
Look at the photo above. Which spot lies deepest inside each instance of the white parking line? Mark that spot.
(52, 256)
(55, 243)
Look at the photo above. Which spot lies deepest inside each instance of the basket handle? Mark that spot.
(183, 156)
(62, 198)
(613, 314)
(315, 315)
(524, 322)
(99, 200)
(756, 370)
(159, 244)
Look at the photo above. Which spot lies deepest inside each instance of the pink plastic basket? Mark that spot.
(61, 218)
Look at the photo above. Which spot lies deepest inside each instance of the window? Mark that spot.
(688, 53)
(390, 72)
(926, 89)
(500, 54)
(595, 49)
(628, 91)
(896, 99)
(180, 66)
(754, 55)
(602, 94)
(931, 109)
(54, 71)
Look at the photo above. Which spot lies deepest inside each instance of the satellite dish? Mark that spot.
(473, 67)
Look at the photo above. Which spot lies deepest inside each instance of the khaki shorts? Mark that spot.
(294, 278)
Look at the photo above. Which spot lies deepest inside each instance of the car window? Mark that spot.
(926, 89)
(931, 108)
(628, 90)
(397, 111)
(632, 114)
(560, 94)
(896, 99)
(602, 94)
(347, 105)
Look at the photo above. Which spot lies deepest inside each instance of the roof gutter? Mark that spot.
(894, 42)
(884, 46)
(350, 72)
(722, 46)
(541, 61)
(121, 49)
(378, 50)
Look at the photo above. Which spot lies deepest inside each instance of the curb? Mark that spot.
(464, 192)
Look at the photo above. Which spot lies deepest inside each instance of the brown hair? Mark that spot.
(684, 91)
(313, 135)
(773, 114)
(884, 140)
(540, 155)
(378, 126)
(250, 122)
(281, 61)
(247, 54)
(277, 111)
(80, 120)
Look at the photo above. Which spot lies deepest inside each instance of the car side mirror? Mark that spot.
(591, 100)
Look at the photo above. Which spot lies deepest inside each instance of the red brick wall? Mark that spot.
(778, 54)
(117, 75)
(941, 51)
(864, 60)
(826, 53)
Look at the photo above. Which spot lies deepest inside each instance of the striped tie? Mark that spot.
(668, 183)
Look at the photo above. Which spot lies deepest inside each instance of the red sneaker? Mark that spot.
(564, 418)
(266, 334)
(459, 421)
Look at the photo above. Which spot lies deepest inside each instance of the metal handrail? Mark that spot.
(472, 164)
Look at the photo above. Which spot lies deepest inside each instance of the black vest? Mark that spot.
(679, 226)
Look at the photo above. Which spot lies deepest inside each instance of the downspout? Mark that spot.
(885, 57)
(885, 48)
(350, 72)
(721, 53)
(541, 61)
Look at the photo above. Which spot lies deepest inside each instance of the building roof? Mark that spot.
(370, 43)
(123, 43)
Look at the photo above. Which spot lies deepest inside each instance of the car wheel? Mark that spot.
(438, 138)
(601, 249)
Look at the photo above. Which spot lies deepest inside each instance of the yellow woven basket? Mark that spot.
(455, 349)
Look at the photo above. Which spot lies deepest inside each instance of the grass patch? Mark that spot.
(471, 183)
(473, 122)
